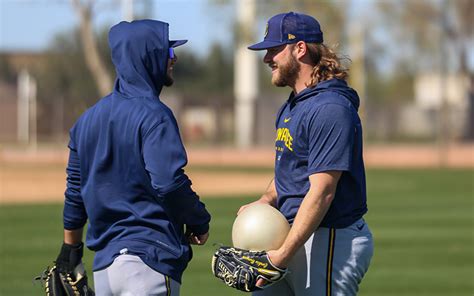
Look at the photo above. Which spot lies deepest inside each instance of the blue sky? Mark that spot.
(30, 25)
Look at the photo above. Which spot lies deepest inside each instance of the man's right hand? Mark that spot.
(269, 198)
(200, 239)
(260, 201)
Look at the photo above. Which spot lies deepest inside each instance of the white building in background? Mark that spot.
(431, 89)
(422, 118)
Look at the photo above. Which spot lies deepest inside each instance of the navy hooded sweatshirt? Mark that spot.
(319, 130)
(125, 170)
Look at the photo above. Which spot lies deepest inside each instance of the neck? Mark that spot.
(304, 77)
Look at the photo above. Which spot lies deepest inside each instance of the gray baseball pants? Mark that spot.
(332, 262)
(129, 276)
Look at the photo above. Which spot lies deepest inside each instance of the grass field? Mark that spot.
(422, 221)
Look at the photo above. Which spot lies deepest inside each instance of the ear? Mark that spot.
(300, 49)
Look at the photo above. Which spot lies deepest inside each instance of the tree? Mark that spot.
(7, 74)
(65, 87)
(439, 36)
(89, 45)
(423, 25)
(204, 78)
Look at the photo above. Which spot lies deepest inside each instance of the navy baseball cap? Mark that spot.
(291, 27)
(176, 43)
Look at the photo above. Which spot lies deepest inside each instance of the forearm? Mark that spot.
(74, 214)
(185, 206)
(307, 220)
(310, 214)
(270, 195)
(73, 237)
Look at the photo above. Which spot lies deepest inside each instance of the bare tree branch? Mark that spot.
(91, 52)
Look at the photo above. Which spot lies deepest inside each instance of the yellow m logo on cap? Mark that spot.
(291, 36)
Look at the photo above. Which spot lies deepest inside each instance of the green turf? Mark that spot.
(422, 221)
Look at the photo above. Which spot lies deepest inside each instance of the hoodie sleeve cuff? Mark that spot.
(199, 229)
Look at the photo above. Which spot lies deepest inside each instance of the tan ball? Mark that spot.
(260, 227)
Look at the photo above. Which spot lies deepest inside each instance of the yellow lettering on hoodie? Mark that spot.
(284, 135)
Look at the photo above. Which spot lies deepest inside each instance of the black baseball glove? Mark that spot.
(67, 276)
(240, 269)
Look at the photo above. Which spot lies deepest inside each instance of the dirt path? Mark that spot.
(39, 176)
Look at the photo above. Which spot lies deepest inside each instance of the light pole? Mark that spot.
(26, 119)
(245, 75)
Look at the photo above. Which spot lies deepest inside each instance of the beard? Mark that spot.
(168, 80)
(288, 73)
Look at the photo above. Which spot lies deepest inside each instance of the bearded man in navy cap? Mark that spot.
(319, 182)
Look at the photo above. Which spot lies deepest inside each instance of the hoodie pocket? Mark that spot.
(168, 248)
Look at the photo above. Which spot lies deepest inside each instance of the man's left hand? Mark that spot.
(243, 269)
(277, 260)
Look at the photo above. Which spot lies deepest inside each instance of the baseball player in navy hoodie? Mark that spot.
(125, 174)
(319, 182)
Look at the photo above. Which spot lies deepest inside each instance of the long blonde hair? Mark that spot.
(327, 64)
